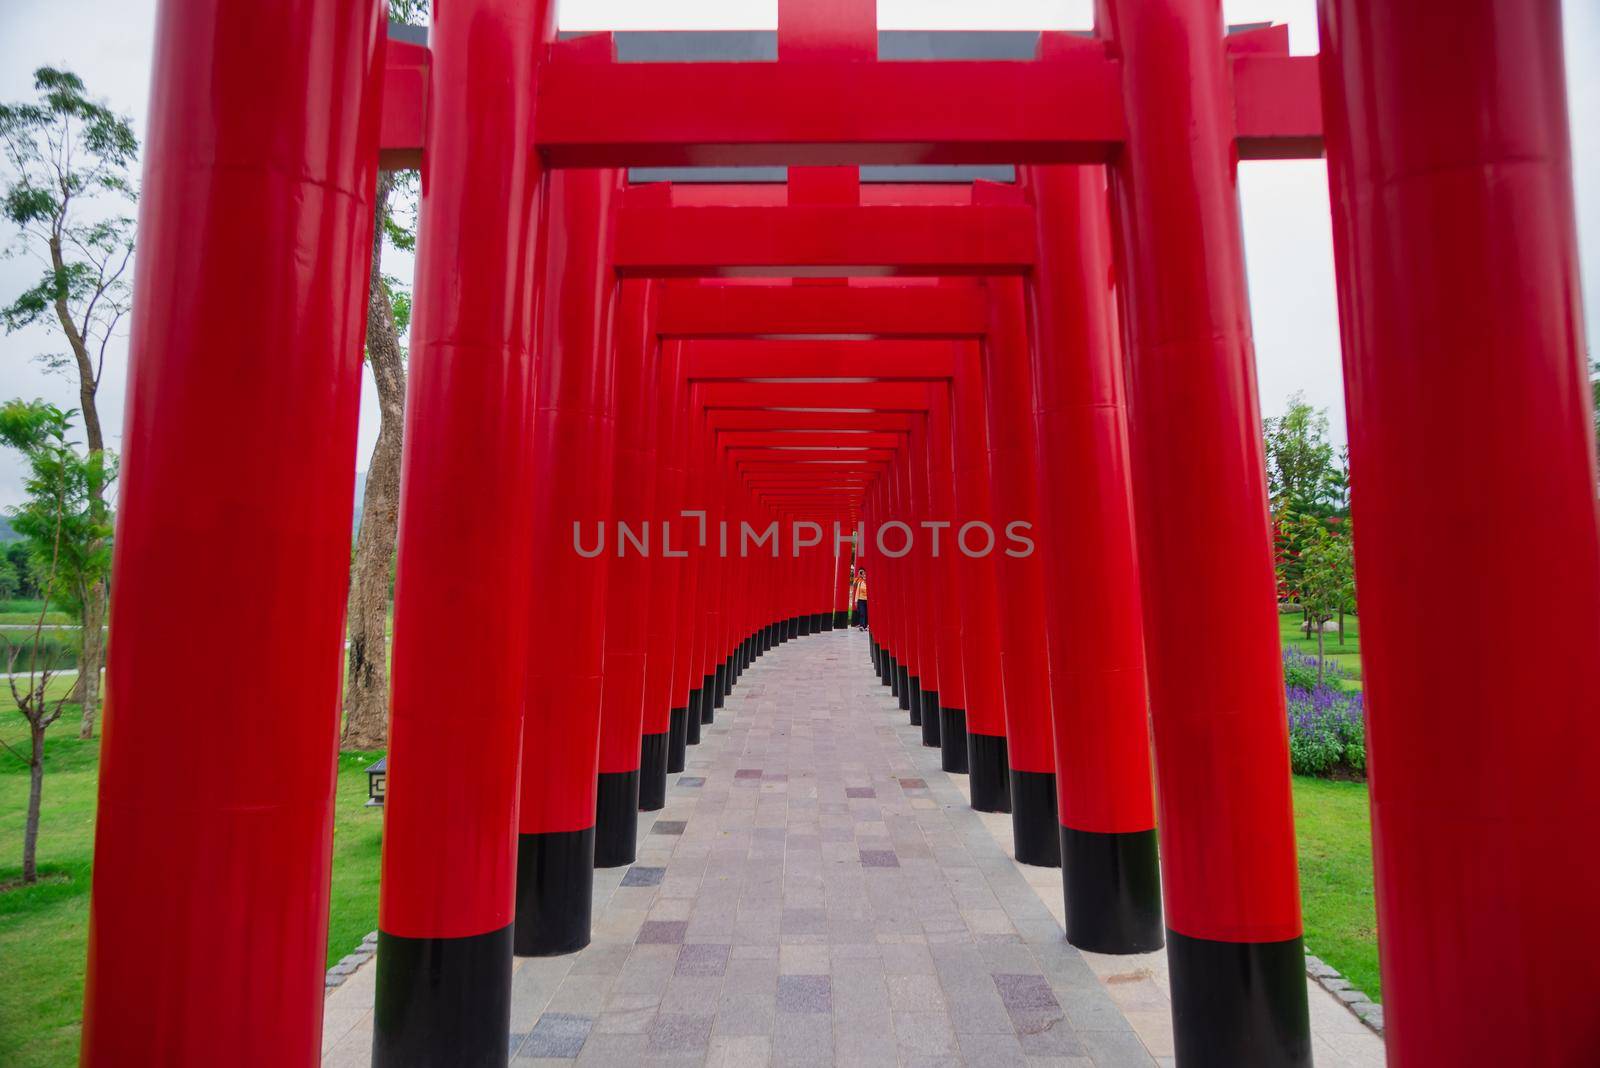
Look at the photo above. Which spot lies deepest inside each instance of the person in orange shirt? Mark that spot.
(859, 595)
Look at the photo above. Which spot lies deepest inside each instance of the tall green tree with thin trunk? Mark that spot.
(366, 695)
(68, 534)
(68, 184)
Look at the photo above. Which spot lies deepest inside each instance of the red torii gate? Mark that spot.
(265, 131)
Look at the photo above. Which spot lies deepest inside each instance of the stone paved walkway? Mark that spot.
(817, 891)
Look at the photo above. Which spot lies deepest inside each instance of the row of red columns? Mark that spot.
(1103, 417)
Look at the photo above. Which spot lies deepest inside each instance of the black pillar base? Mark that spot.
(726, 670)
(989, 772)
(555, 892)
(1239, 1003)
(653, 769)
(930, 718)
(1112, 885)
(692, 716)
(710, 696)
(677, 738)
(911, 698)
(953, 740)
(442, 1001)
(616, 818)
(894, 678)
(719, 687)
(1034, 827)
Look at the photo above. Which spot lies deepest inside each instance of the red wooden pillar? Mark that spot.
(947, 562)
(449, 849)
(1451, 172)
(1019, 574)
(677, 552)
(928, 596)
(988, 762)
(574, 447)
(896, 540)
(626, 621)
(660, 580)
(256, 225)
(1110, 872)
(1227, 831)
(713, 581)
(697, 541)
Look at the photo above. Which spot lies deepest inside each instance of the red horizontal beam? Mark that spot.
(897, 359)
(405, 105)
(790, 439)
(738, 419)
(827, 112)
(1277, 107)
(823, 241)
(717, 311)
(874, 396)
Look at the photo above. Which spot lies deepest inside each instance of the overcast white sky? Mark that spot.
(1287, 227)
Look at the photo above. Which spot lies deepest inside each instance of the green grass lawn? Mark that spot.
(43, 928)
(1347, 656)
(1333, 832)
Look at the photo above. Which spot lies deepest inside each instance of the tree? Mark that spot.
(366, 697)
(62, 152)
(1327, 575)
(65, 526)
(1300, 468)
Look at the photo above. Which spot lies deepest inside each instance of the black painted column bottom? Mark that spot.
(989, 772)
(1236, 1003)
(692, 716)
(893, 681)
(616, 818)
(555, 892)
(1034, 827)
(442, 1001)
(1112, 886)
(911, 699)
(930, 718)
(678, 738)
(953, 740)
(653, 769)
(710, 689)
(719, 687)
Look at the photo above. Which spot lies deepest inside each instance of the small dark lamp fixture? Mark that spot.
(377, 781)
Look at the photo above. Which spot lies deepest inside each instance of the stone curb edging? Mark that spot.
(350, 962)
(1327, 976)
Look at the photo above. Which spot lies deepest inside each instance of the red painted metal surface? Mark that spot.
(449, 855)
(626, 619)
(255, 225)
(1086, 539)
(1451, 173)
(1018, 570)
(1227, 831)
(574, 453)
(980, 606)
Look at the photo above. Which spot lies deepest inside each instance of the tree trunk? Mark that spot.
(1318, 624)
(89, 664)
(366, 699)
(1341, 624)
(30, 832)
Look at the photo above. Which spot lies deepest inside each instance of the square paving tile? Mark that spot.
(805, 994)
(558, 1034)
(860, 791)
(679, 1033)
(691, 780)
(1026, 992)
(747, 773)
(662, 932)
(700, 958)
(637, 876)
(879, 858)
(913, 784)
(668, 826)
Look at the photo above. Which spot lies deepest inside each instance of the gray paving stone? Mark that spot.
(668, 826)
(805, 994)
(1025, 992)
(638, 876)
(701, 958)
(557, 1034)
(662, 932)
(679, 1033)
